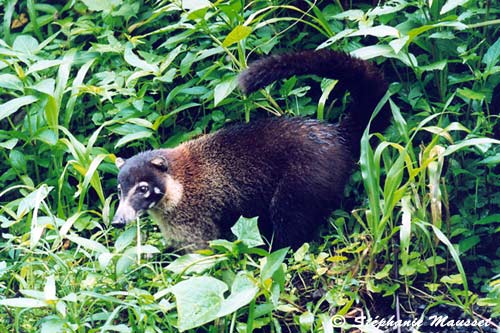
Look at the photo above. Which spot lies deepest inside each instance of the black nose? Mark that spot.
(118, 222)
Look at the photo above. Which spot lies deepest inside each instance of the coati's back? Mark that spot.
(288, 171)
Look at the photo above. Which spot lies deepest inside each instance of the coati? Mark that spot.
(288, 171)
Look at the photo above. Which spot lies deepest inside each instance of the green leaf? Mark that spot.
(198, 301)
(384, 272)
(243, 291)
(88, 244)
(25, 44)
(470, 142)
(49, 290)
(452, 279)
(132, 137)
(223, 89)
(12, 82)
(45, 86)
(491, 57)
(33, 200)
(192, 263)
(247, 230)
(377, 31)
(237, 34)
(407, 270)
(52, 325)
(9, 144)
(468, 243)
(23, 302)
(452, 4)
(125, 239)
(126, 261)
(434, 261)
(42, 65)
(369, 52)
(470, 94)
(273, 263)
(102, 5)
(17, 160)
(192, 5)
(132, 59)
(10, 107)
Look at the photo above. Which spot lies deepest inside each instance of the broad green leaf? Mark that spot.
(36, 228)
(492, 56)
(9, 144)
(436, 66)
(407, 270)
(41, 65)
(192, 5)
(369, 52)
(75, 88)
(353, 15)
(192, 263)
(198, 301)
(88, 244)
(23, 302)
(469, 142)
(273, 263)
(247, 230)
(102, 5)
(46, 135)
(126, 261)
(434, 261)
(12, 82)
(125, 239)
(132, 59)
(10, 107)
(468, 243)
(239, 33)
(452, 279)
(132, 137)
(471, 94)
(92, 177)
(243, 291)
(33, 200)
(52, 325)
(49, 290)
(45, 86)
(223, 89)
(25, 44)
(377, 31)
(452, 4)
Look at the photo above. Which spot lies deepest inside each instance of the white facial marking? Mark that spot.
(151, 205)
(147, 194)
(157, 190)
(174, 192)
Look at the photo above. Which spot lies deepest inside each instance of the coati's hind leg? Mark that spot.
(295, 212)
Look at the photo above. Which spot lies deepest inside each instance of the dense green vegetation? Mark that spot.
(82, 82)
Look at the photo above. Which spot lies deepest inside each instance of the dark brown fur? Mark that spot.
(288, 171)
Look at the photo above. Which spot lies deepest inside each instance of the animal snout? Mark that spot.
(119, 221)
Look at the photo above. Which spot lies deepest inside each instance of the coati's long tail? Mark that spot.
(365, 82)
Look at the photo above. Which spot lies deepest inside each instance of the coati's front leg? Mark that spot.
(294, 213)
(186, 232)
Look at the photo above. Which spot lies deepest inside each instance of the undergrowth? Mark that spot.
(82, 82)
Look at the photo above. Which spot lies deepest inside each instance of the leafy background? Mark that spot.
(82, 82)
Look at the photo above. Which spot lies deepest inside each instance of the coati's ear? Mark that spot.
(160, 162)
(119, 162)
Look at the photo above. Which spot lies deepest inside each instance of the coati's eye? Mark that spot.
(143, 189)
(119, 190)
